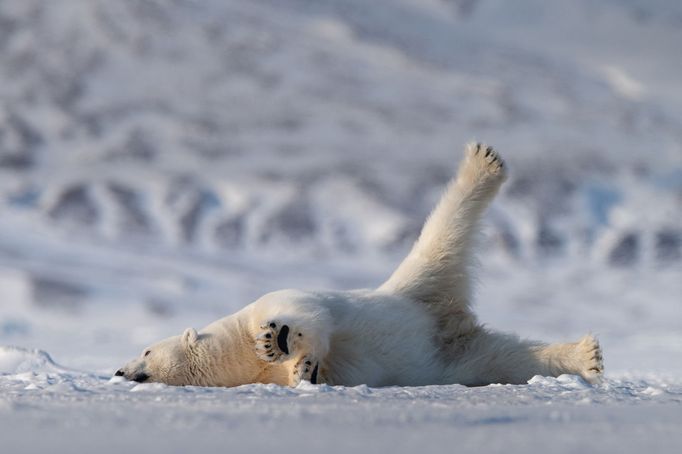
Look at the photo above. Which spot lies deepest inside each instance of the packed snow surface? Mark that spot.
(85, 412)
(164, 163)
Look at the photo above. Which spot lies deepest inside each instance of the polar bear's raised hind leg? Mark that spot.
(437, 270)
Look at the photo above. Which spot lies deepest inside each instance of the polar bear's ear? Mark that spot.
(189, 337)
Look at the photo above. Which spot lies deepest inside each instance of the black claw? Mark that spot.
(478, 148)
(268, 336)
(488, 151)
(273, 325)
(270, 355)
(268, 345)
(308, 363)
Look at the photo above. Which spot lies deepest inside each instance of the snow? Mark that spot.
(164, 163)
(82, 411)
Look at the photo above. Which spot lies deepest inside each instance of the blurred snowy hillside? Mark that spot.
(163, 163)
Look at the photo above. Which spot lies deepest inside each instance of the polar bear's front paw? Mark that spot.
(592, 361)
(272, 344)
(306, 369)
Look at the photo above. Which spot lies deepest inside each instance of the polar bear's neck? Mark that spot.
(231, 346)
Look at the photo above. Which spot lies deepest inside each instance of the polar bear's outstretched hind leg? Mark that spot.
(503, 358)
(437, 270)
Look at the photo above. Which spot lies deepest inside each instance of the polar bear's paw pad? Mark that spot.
(272, 343)
(306, 369)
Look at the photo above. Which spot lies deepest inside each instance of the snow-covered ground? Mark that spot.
(47, 407)
(164, 163)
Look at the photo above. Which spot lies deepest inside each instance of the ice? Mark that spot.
(162, 164)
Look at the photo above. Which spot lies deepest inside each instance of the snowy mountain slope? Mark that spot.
(147, 120)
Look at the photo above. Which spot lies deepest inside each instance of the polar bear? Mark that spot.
(417, 328)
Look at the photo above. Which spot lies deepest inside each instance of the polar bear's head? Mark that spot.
(173, 361)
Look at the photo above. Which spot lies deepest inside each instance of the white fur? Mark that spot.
(417, 328)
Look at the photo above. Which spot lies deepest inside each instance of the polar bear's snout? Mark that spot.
(139, 377)
(133, 373)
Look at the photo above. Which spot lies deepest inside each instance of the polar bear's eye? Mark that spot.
(147, 353)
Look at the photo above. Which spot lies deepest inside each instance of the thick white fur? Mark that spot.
(417, 328)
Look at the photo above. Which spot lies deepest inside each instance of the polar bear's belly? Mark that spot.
(383, 344)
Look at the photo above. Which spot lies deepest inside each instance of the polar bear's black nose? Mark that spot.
(119, 373)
